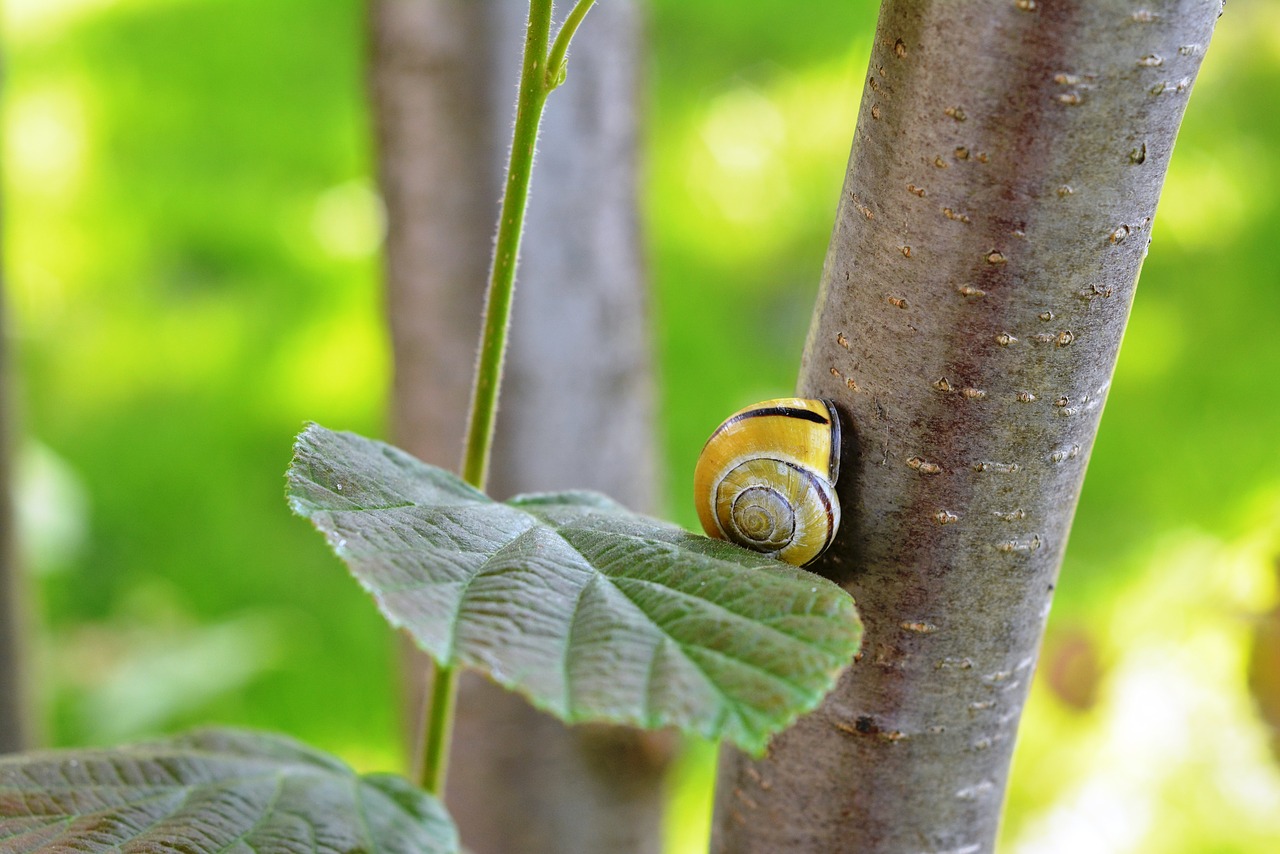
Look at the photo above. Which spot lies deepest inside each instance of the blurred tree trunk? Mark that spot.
(576, 405)
(15, 731)
(1003, 179)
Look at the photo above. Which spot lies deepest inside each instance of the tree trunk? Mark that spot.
(576, 404)
(15, 730)
(1004, 175)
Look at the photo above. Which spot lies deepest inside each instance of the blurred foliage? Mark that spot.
(187, 188)
(191, 234)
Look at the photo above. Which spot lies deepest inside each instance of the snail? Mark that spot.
(766, 478)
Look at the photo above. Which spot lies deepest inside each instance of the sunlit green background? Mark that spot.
(192, 238)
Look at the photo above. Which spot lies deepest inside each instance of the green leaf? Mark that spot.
(212, 791)
(593, 612)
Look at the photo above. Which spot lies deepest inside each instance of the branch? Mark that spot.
(1004, 175)
(560, 47)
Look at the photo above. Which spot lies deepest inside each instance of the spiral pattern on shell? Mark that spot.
(766, 478)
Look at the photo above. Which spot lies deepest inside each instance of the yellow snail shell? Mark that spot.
(766, 478)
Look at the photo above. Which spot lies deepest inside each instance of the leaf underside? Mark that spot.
(212, 791)
(593, 612)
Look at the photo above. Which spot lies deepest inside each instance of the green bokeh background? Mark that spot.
(192, 236)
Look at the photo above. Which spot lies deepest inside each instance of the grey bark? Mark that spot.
(1003, 179)
(429, 60)
(576, 408)
(15, 725)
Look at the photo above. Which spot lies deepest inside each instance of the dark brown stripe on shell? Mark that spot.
(783, 411)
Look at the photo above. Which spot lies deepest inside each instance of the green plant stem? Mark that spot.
(502, 276)
(556, 59)
(437, 730)
(541, 71)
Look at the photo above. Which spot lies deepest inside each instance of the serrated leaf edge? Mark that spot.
(753, 739)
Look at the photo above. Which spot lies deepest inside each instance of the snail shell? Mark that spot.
(766, 478)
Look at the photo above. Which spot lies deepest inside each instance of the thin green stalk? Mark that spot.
(502, 276)
(437, 730)
(540, 73)
(556, 59)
